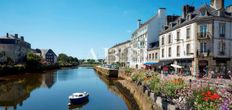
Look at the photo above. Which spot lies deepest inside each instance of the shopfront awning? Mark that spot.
(150, 63)
(163, 63)
(176, 66)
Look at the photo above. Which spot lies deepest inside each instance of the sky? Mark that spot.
(81, 28)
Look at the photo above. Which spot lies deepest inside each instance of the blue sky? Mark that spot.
(75, 27)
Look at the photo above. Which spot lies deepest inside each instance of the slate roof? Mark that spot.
(128, 41)
(196, 16)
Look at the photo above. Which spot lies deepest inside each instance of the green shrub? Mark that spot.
(134, 77)
(170, 87)
(155, 85)
(138, 77)
(128, 71)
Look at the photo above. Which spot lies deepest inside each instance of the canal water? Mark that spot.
(50, 91)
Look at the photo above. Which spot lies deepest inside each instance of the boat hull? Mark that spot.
(79, 100)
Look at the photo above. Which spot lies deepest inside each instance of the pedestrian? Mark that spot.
(212, 74)
(230, 74)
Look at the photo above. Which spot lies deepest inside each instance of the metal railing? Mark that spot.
(203, 35)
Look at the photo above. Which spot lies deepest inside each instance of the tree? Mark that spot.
(9, 61)
(33, 61)
(65, 60)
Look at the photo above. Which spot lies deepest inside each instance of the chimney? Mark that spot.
(22, 38)
(16, 35)
(162, 12)
(139, 23)
(171, 18)
(187, 9)
(217, 4)
(7, 35)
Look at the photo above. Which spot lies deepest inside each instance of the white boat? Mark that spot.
(78, 98)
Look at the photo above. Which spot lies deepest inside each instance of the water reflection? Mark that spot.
(50, 91)
(14, 90)
(111, 86)
(77, 107)
(48, 80)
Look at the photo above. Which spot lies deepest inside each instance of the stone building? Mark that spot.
(119, 53)
(200, 40)
(143, 38)
(47, 54)
(13, 47)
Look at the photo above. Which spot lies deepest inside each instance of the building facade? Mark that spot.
(144, 36)
(47, 54)
(153, 55)
(119, 53)
(14, 48)
(200, 40)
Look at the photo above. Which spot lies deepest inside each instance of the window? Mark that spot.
(203, 30)
(162, 40)
(149, 56)
(178, 36)
(178, 51)
(188, 33)
(222, 29)
(156, 56)
(203, 47)
(203, 13)
(188, 48)
(222, 46)
(169, 51)
(169, 38)
(153, 56)
(162, 52)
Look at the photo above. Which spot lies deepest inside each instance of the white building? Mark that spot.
(200, 40)
(119, 53)
(144, 36)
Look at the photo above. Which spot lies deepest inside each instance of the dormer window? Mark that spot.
(165, 27)
(204, 13)
(182, 20)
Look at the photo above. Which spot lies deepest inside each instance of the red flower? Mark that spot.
(206, 99)
(215, 96)
(209, 93)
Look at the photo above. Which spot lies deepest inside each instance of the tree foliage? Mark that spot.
(33, 61)
(65, 60)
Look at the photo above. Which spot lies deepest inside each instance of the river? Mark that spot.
(50, 91)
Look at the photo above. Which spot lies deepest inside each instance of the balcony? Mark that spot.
(203, 53)
(203, 35)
